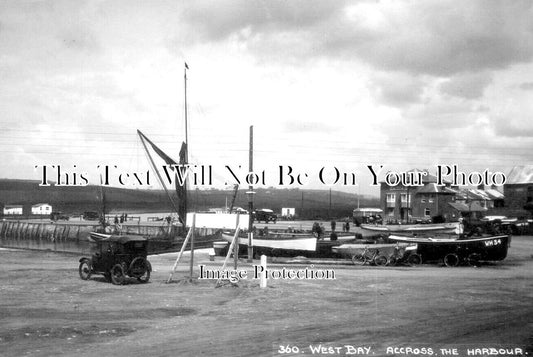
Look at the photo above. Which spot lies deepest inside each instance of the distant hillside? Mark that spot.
(75, 200)
(312, 203)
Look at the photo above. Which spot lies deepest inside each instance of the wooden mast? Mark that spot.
(186, 125)
(186, 67)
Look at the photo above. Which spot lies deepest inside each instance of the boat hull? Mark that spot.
(487, 248)
(279, 242)
(413, 228)
(349, 250)
(285, 245)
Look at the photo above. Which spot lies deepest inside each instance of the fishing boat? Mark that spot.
(450, 227)
(289, 244)
(452, 252)
(277, 243)
(96, 237)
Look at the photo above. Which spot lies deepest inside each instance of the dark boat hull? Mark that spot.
(491, 248)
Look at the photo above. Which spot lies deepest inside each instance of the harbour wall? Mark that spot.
(73, 237)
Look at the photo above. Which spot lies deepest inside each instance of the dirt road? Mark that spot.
(47, 310)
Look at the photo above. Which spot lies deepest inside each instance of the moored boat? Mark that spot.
(96, 237)
(450, 227)
(278, 241)
(289, 244)
(453, 251)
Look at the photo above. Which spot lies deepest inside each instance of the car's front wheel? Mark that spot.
(85, 269)
(117, 275)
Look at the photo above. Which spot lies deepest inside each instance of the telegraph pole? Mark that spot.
(251, 198)
(302, 206)
(329, 210)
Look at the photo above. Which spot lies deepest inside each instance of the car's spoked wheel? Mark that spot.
(117, 275)
(85, 269)
(414, 259)
(140, 268)
(146, 276)
(451, 260)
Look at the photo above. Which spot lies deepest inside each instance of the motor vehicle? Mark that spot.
(266, 215)
(367, 215)
(58, 216)
(91, 216)
(116, 258)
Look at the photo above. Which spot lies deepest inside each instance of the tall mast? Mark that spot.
(186, 126)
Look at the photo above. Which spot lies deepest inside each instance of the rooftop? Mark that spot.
(520, 175)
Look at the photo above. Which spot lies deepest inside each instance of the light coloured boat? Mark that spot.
(451, 227)
(279, 241)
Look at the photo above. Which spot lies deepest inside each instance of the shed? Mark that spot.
(13, 210)
(41, 208)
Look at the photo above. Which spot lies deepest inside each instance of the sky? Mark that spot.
(325, 84)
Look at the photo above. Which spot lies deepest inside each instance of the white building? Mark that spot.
(41, 208)
(288, 212)
(13, 210)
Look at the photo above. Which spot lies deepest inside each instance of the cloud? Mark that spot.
(440, 115)
(219, 20)
(468, 86)
(293, 126)
(526, 86)
(439, 38)
(513, 124)
(397, 89)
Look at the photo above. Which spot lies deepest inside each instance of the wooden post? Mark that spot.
(234, 241)
(63, 233)
(236, 245)
(17, 234)
(263, 278)
(54, 234)
(193, 226)
(34, 231)
(181, 251)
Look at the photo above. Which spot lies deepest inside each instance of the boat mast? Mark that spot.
(191, 265)
(186, 126)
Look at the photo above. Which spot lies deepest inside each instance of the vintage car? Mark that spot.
(118, 257)
(266, 215)
(58, 216)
